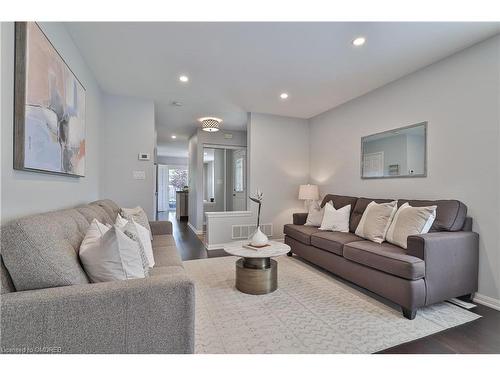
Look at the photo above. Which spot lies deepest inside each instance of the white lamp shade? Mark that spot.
(309, 192)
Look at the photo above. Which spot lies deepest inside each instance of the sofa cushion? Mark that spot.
(6, 284)
(385, 257)
(300, 233)
(166, 270)
(92, 211)
(109, 206)
(333, 241)
(339, 201)
(39, 251)
(166, 256)
(163, 240)
(450, 214)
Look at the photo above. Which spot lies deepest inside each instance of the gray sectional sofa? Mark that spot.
(439, 265)
(48, 304)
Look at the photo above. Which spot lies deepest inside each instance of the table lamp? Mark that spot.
(308, 193)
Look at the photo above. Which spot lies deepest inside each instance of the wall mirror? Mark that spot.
(399, 152)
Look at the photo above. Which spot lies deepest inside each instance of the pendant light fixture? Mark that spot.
(210, 124)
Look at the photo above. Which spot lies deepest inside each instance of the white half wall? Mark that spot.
(459, 97)
(278, 149)
(128, 129)
(25, 193)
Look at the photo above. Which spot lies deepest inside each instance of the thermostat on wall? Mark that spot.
(144, 156)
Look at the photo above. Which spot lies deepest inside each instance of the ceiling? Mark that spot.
(235, 68)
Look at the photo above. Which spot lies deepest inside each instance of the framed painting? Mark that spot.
(49, 107)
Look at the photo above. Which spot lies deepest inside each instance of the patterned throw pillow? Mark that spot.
(131, 233)
(139, 216)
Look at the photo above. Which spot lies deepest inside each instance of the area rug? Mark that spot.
(311, 312)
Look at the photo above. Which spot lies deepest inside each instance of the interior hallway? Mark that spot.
(188, 243)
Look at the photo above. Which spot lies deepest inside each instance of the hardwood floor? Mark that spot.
(188, 243)
(479, 336)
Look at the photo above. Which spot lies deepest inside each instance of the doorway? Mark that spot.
(171, 178)
(224, 178)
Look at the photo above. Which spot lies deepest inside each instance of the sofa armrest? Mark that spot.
(300, 218)
(160, 227)
(451, 263)
(151, 315)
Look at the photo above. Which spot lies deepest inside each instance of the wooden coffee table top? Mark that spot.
(275, 249)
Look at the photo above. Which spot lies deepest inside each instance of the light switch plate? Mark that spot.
(139, 175)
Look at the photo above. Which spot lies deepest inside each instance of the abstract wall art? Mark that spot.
(49, 103)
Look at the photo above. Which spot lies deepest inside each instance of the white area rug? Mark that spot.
(311, 312)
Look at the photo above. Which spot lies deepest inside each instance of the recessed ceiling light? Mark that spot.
(183, 78)
(359, 41)
(284, 95)
(174, 136)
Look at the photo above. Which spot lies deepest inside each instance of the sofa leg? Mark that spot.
(289, 253)
(409, 314)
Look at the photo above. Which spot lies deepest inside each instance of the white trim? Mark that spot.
(193, 228)
(225, 147)
(487, 301)
(228, 214)
(217, 246)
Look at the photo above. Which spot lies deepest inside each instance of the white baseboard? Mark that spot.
(487, 301)
(217, 246)
(193, 228)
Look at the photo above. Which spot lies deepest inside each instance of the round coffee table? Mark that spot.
(256, 272)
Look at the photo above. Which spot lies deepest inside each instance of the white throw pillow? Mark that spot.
(336, 220)
(315, 214)
(139, 215)
(143, 236)
(376, 220)
(120, 221)
(410, 221)
(108, 254)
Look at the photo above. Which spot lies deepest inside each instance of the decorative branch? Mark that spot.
(258, 199)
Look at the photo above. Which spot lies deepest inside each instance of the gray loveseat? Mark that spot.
(439, 265)
(48, 304)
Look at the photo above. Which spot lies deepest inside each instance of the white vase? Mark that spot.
(258, 238)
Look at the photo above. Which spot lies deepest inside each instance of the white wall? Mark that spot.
(25, 193)
(129, 126)
(278, 163)
(459, 97)
(172, 160)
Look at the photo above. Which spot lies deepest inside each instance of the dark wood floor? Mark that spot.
(479, 336)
